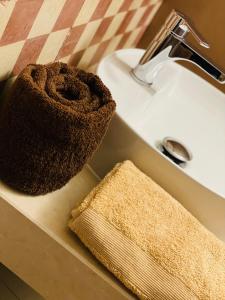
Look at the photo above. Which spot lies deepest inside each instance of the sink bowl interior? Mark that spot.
(179, 104)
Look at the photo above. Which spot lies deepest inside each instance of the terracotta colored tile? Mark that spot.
(86, 12)
(21, 20)
(112, 45)
(99, 53)
(76, 57)
(87, 35)
(101, 30)
(87, 57)
(69, 13)
(71, 40)
(126, 21)
(101, 9)
(139, 36)
(136, 19)
(146, 2)
(3, 3)
(52, 46)
(145, 15)
(30, 52)
(113, 8)
(5, 14)
(46, 18)
(123, 40)
(125, 6)
(114, 26)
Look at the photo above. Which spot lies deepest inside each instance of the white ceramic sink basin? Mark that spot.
(181, 105)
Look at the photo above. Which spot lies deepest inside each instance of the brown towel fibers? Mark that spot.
(54, 120)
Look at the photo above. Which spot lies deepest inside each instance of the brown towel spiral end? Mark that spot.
(55, 118)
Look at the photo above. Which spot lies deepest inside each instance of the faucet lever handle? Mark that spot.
(183, 25)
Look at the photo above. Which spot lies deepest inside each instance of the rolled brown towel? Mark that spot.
(54, 120)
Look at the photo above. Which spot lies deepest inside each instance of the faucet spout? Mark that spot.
(170, 44)
(191, 55)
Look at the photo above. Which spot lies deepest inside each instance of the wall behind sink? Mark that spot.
(208, 16)
(79, 32)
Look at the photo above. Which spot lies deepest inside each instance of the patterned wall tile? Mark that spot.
(135, 19)
(52, 46)
(86, 12)
(102, 29)
(101, 9)
(87, 35)
(5, 14)
(125, 5)
(71, 41)
(86, 58)
(9, 55)
(99, 53)
(20, 21)
(30, 52)
(68, 14)
(113, 9)
(113, 44)
(125, 22)
(46, 18)
(112, 30)
(79, 32)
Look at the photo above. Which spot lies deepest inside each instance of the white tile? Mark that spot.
(113, 44)
(46, 18)
(65, 59)
(130, 41)
(86, 12)
(113, 8)
(52, 46)
(87, 56)
(156, 2)
(114, 25)
(153, 12)
(5, 13)
(9, 55)
(135, 19)
(135, 4)
(87, 35)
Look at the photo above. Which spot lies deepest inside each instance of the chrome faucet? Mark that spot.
(170, 44)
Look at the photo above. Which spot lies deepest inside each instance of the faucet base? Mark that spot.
(138, 80)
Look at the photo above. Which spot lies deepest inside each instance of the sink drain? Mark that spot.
(176, 150)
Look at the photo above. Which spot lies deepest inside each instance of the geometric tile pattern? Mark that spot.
(79, 32)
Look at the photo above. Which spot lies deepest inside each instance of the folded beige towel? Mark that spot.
(148, 240)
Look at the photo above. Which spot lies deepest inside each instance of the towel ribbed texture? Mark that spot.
(148, 240)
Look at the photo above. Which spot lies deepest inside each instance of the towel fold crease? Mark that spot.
(148, 240)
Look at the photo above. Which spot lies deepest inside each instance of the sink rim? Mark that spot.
(141, 136)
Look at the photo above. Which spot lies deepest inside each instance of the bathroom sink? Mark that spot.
(180, 105)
